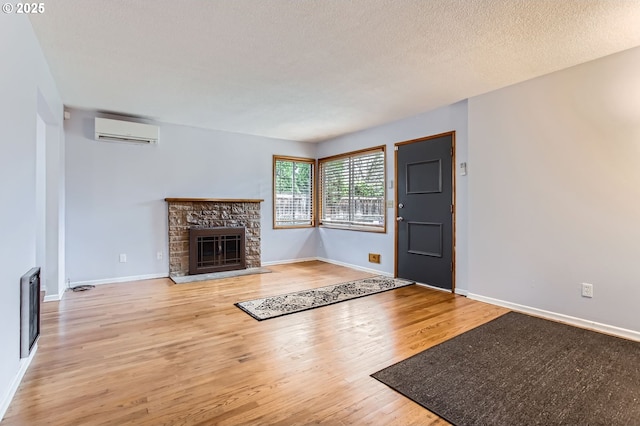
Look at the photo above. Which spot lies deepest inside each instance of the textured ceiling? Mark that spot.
(314, 69)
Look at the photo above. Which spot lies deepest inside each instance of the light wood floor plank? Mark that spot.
(152, 352)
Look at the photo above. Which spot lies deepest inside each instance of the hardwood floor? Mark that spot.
(152, 353)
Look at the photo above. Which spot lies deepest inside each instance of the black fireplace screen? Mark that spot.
(216, 249)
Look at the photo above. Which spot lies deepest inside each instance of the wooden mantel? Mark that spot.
(213, 200)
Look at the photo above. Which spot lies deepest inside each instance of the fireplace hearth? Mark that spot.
(216, 249)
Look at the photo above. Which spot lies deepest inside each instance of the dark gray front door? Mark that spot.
(424, 210)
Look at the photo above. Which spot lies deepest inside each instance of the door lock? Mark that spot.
(400, 205)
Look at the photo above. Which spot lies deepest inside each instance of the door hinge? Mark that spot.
(451, 208)
(395, 148)
(452, 151)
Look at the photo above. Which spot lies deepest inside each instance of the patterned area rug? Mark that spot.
(276, 306)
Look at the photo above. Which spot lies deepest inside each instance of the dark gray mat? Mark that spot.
(521, 370)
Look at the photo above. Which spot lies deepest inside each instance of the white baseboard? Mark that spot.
(166, 275)
(284, 262)
(120, 279)
(53, 298)
(359, 268)
(8, 397)
(462, 291)
(433, 287)
(333, 262)
(56, 297)
(579, 322)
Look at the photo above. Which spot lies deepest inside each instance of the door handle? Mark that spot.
(399, 218)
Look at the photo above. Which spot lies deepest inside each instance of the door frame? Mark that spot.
(396, 146)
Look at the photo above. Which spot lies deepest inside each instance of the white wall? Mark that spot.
(50, 184)
(116, 191)
(554, 195)
(352, 247)
(23, 75)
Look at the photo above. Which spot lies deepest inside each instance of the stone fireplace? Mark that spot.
(214, 220)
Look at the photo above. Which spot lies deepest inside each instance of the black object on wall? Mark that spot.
(29, 311)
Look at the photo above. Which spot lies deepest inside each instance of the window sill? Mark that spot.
(375, 229)
(293, 226)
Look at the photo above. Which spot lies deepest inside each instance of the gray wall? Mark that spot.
(352, 247)
(554, 192)
(116, 191)
(26, 89)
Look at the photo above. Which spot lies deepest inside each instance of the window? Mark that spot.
(293, 192)
(352, 190)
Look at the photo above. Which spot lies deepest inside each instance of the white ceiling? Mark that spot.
(314, 69)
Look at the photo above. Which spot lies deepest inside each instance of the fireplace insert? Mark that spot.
(216, 249)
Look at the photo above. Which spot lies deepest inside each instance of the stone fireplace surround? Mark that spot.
(185, 213)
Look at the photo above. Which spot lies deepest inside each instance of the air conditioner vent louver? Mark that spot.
(125, 131)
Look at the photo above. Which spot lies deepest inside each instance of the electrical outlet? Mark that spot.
(587, 290)
(123, 258)
(374, 258)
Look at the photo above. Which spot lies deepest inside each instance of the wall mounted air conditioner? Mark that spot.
(125, 131)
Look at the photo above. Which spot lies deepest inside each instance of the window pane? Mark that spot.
(353, 190)
(293, 192)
